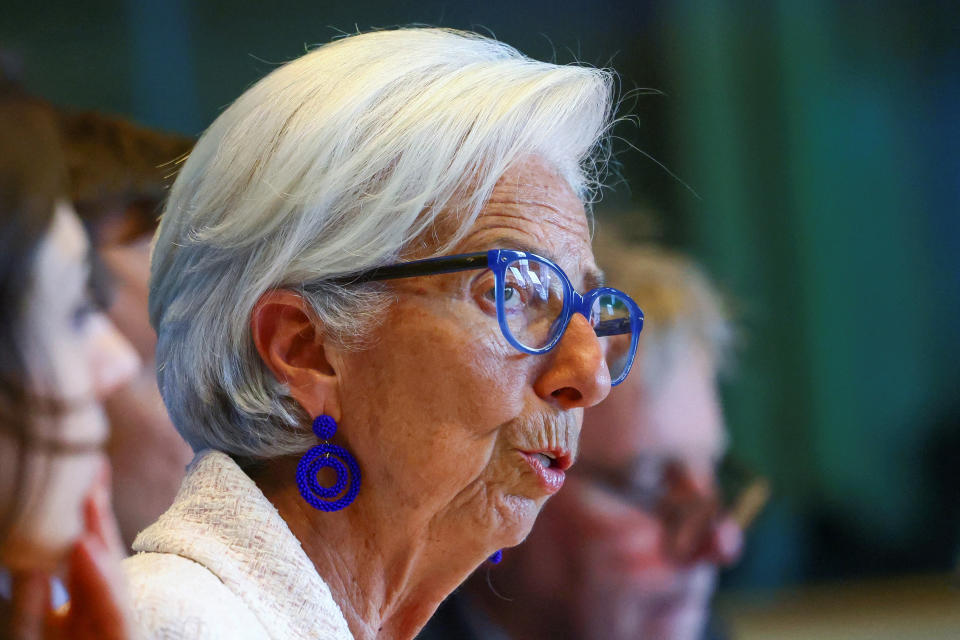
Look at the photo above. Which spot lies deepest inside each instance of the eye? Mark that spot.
(93, 299)
(510, 294)
(513, 294)
(485, 292)
(512, 298)
(82, 313)
(88, 305)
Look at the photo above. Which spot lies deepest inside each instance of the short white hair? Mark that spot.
(332, 164)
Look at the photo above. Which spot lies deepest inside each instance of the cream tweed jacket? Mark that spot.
(221, 563)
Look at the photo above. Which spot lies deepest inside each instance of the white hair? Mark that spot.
(332, 164)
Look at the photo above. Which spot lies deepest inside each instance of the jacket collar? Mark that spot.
(221, 520)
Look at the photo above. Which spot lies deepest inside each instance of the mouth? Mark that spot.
(549, 467)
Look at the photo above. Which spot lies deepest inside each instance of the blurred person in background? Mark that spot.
(119, 174)
(60, 357)
(629, 549)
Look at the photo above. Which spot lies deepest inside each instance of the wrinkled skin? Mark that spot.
(437, 410)
(486, 400)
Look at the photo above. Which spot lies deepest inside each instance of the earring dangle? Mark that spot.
(345, 489)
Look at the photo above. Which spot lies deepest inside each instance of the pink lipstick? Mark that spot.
(549, 466)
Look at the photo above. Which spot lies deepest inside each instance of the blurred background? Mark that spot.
(804, 152)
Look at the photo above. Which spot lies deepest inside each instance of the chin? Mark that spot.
(517, 519)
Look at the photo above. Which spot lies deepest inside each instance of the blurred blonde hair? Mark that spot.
(681, 306)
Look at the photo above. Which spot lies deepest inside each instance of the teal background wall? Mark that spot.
(819, 181)
(823, 137)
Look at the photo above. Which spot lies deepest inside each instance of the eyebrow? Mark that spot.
(592, 277)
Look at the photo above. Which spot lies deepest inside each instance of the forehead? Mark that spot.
(532, 206)
(680, 417)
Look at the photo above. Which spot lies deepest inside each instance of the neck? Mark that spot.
(387, 576)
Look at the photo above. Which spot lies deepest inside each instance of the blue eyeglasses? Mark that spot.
(535, 300)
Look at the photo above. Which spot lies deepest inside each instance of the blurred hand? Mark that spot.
(99, 606)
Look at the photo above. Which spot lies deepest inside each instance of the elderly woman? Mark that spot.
(378, 325)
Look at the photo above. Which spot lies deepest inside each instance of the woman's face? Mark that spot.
(147, 455)
(448, 421)
(75, 357)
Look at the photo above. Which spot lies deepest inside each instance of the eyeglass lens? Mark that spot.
(610, 317)
(533, 299)
(533, 302)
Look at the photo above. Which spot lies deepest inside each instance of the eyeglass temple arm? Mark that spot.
(427, 267)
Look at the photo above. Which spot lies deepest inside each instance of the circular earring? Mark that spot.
(345, 489)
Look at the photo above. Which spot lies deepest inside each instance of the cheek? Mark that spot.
(428, 399)
(60, 367)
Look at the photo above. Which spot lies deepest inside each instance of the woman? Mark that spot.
(59, 357)
(637, 533)
(382, 379)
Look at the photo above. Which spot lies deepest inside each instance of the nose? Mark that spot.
(577, 374)
(113, 360)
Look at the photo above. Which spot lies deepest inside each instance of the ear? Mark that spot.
(290, 342)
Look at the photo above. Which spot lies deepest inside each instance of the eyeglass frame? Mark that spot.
(497, 261)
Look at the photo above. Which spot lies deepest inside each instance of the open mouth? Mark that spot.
(549, 467)
(546, 459)
(552, 460)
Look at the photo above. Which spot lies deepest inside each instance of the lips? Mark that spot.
(549, 467)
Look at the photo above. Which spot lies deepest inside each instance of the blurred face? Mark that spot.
(75, 357)
(462, 425)
(633, 536)
(147, 455)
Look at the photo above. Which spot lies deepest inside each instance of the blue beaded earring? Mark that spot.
(496, 557)
(345, 489)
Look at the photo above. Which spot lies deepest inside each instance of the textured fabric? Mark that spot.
(222, 563)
